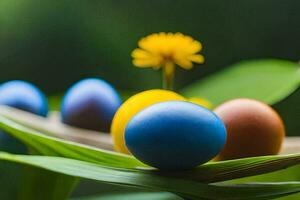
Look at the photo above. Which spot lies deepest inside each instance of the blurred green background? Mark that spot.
(55, 43)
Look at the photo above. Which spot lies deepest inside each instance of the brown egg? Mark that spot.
(253, 129)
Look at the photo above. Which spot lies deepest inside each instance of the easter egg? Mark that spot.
(253, 129)
(132, 106)
(175, 135)
(90, 104)
(24, 96)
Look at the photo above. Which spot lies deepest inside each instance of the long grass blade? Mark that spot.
(127, 177)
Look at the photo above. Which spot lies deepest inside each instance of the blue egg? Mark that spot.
(24, 96)
(175, 135)
(90, 104)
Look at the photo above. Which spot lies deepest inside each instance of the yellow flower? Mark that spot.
(166, 49)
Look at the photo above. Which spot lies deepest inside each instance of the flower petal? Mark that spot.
(184, 63)
(159, 48)
(197, 58)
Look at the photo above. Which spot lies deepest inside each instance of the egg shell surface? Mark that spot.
(90, 104)
(253, 129)
(175, 135)
(24, 96)
(132, 106)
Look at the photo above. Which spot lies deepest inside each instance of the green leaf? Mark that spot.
(47, 185)
(210, 172)
(133, 196)
(290, 174)
(233, 169)
(55, 185)
(12, 174)
(186, 188)
(47, 145)
(110, 167)
(267, 80)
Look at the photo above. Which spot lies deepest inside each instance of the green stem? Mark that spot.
(168, 76)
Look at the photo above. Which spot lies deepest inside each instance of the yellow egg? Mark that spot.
(131, 107)
(202, 102)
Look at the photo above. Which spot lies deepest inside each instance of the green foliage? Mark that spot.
(265, 80)
(186, 188)
(46, 145)
(77, 160)
(10, 175)
(134, 196)
(292, 174)
(210, 172)
(47, 185)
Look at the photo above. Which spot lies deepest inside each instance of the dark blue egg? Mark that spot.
(175, 135)
(90, 104)
(24, 96)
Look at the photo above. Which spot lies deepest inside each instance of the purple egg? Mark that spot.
(90, 104)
